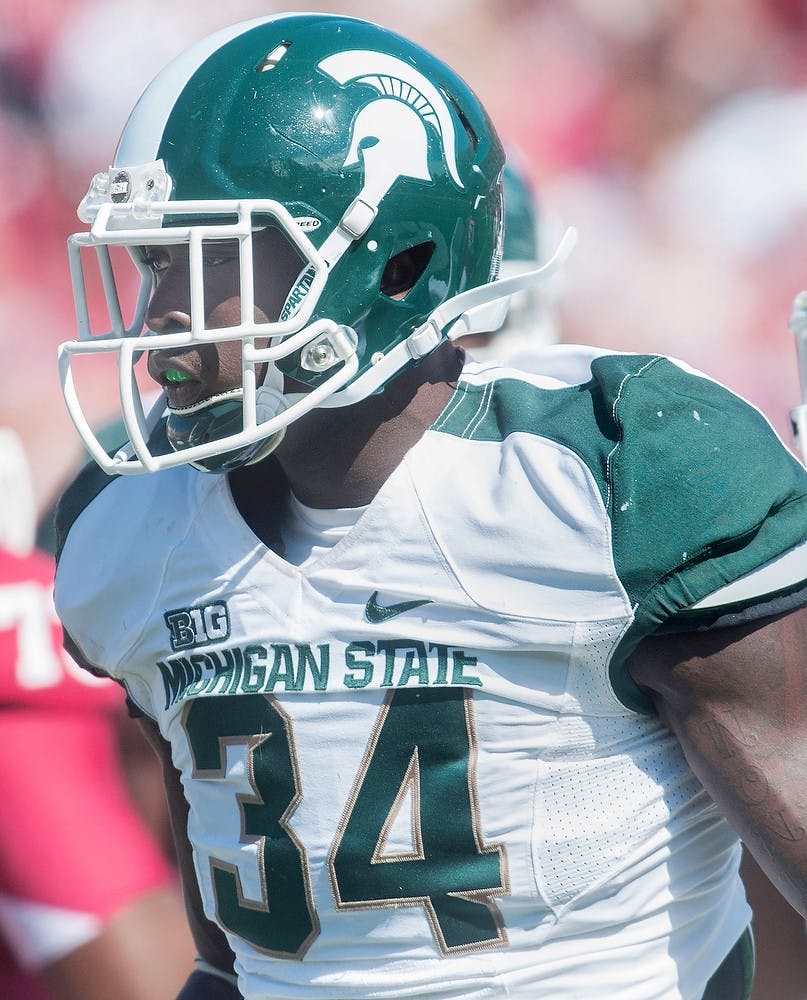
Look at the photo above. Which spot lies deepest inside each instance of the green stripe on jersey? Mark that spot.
(698, 488)
(576, 417)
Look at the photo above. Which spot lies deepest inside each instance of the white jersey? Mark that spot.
(416, 765)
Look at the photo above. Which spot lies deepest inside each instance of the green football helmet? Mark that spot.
(366, 153)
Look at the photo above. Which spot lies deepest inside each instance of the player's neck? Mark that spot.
(342, 457)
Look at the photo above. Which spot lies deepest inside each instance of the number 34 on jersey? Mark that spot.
(423, 749)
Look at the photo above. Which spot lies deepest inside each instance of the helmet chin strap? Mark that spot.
(477, 310)
(269, 402)
(269, 399)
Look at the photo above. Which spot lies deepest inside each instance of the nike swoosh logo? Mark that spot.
(376, 613)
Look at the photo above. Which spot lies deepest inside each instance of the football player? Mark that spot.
(86, 895)
(465, 681)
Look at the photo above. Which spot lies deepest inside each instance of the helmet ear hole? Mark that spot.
(403, 270)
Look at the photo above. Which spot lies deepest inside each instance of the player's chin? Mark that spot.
(185, 396)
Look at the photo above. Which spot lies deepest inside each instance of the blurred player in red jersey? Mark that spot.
(85, 892)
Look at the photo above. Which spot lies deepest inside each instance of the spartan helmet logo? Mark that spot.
(399, 121)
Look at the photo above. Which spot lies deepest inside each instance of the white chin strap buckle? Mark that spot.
(424, 339)
(483, 309)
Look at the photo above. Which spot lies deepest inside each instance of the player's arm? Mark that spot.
(210, 941)
(121, 962)
(736, 698)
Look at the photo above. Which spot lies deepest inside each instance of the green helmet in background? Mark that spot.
(521, 214)
(531, 320)
(374, 162)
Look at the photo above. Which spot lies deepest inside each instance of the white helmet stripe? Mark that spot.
(144, 130)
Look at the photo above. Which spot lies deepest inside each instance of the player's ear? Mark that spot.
(403, 270)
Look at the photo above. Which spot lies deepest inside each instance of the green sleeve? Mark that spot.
(91, 480)
(701, 493)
